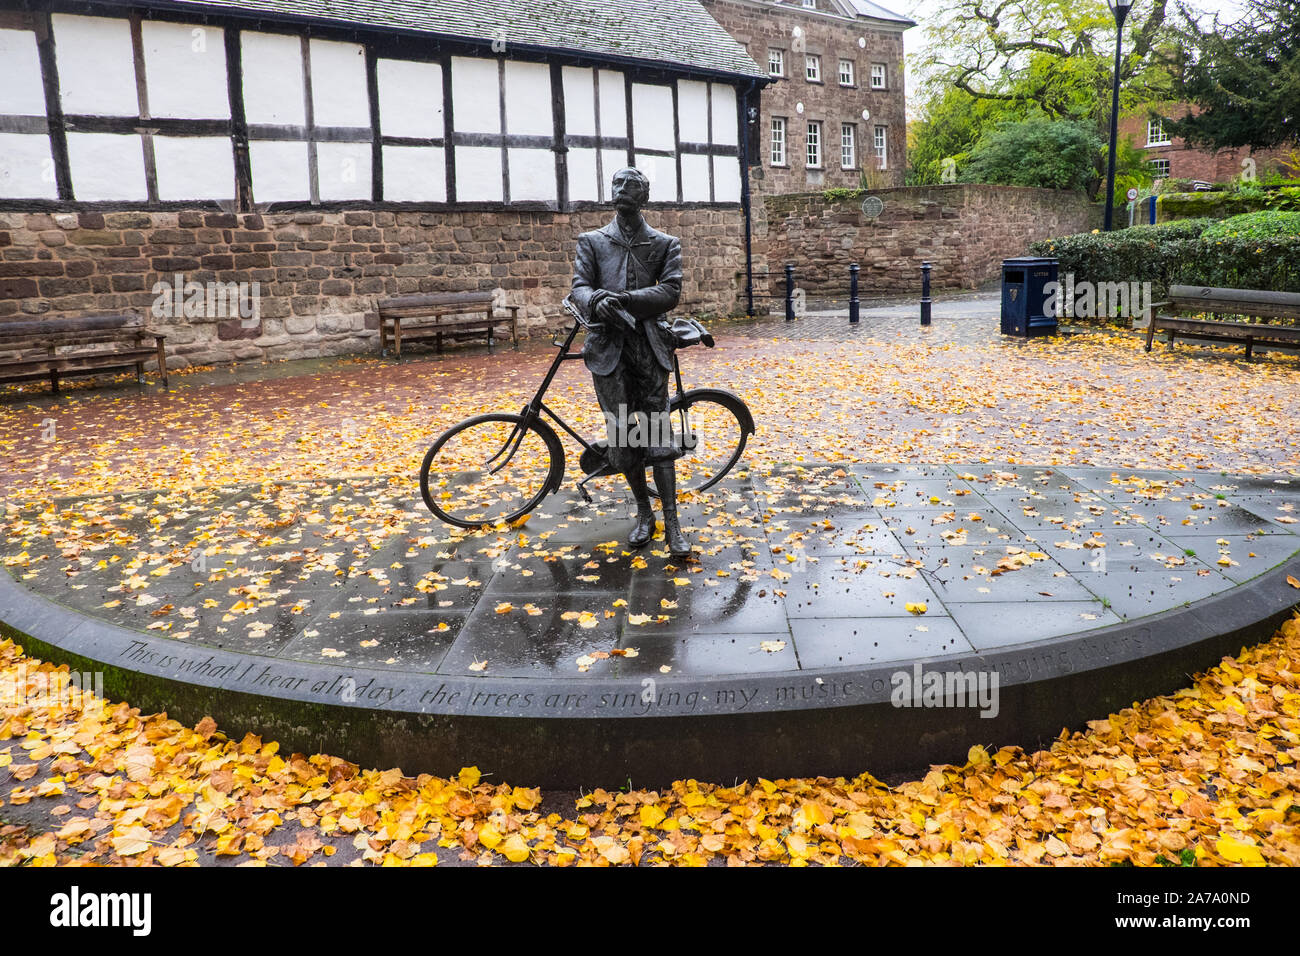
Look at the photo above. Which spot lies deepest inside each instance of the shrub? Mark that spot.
(1035, 152)
(1177, 229)
(1236, 262)
(1129, 255)
(1256, 225)
(1179, 253)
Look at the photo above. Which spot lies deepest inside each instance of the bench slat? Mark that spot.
(63, 326)
(1257, 297)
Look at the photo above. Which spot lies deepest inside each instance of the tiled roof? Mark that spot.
(669, 32)
(865, 8)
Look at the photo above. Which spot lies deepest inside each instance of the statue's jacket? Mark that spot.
(649, 268)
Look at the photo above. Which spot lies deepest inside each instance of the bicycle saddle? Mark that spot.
(688, 332)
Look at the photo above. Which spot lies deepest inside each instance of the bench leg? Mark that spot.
(54, 379)
(438, 343)
(139, 372)
(397, 340)
(514, 326)
(489, 321)
(383, 339)
(1250, 347)
(162, 362)
(1151, 333)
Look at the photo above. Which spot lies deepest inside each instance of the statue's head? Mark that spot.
(630, 188)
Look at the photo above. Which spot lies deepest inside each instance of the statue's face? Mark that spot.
(630, 189)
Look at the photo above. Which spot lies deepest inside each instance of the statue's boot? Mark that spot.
(644, 527)
(666, 483)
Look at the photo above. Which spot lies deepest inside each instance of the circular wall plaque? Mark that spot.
(872, 207)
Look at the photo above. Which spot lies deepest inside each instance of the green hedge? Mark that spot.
(1177, 253)
(1270, 224)
(1236, 263)
(1139, 254)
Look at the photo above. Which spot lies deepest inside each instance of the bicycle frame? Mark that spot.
(536, 408)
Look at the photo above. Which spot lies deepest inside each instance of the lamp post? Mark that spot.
(1120, 8)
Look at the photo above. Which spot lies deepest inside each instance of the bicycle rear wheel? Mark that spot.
(489, 469)
(717, 427)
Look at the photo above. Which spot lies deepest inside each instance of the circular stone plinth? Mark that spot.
(838, 618)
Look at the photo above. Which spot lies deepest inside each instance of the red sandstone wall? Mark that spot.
(320, 271)
(964, 231)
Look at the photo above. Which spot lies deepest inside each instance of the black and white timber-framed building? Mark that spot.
(439, 104)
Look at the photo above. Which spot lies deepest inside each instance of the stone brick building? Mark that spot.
(836, 112)
(337, 151)
(1171, 158)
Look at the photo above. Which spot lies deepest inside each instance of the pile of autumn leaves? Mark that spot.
(1205, 776)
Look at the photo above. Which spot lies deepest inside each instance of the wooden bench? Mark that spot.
(37, 349)
(453, 313)
(1255, 309)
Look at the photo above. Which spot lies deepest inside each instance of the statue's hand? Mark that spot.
(606, 309)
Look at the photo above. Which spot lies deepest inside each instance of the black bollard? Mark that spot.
(853, 294)
(925, 293)
(789, 292)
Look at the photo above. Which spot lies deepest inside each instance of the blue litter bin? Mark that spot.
(1025, 309)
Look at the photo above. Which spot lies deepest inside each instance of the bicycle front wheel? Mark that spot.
(489, 469)
(714, 427)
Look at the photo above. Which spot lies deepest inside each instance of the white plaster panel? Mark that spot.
(652, 116)
(279, 171)
(26, 167)
(613, 103)
(185, 68)
(96, 66)
(343, 171)
(415, 174)
(106, 166)
(194, 167)
(532, 174)
(273, 79)
(726, 179)
(410, 98)
(579, 101)
(21, 92)
(478, 174)
(692, 111)
(724, 115)
(662, 173)
(339, 95)
(529, 111)
(612, 160)
(583, 183)
(695, 178)
(475, 95)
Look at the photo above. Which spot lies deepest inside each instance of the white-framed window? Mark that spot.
(776, 62)
(810, 4)
(877, 76)
(815, 145)
(1160, 168)
(848, 146)
(1156, 135)
(813, 68)
(881, 144)
(778, 141)
(846, 72)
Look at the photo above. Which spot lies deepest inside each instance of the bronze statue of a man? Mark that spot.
(626, 278)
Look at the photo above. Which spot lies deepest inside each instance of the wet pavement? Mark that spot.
(796, 568)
